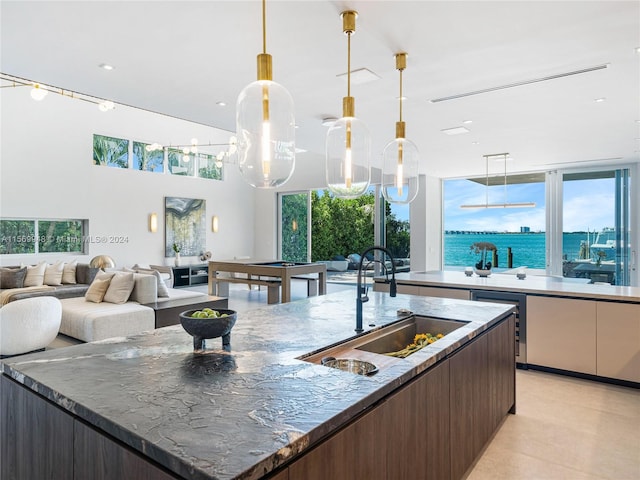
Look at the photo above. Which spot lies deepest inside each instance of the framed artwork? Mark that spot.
(110, 151)
(147, 161)
(185, 225)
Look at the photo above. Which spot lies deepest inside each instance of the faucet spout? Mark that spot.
(361, 289)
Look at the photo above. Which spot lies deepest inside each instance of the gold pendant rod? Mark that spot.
(264, 26)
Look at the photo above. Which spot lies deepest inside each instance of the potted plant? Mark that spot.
(176, 249)
(483, 265)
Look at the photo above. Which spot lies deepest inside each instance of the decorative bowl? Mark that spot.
(203, 328)
(482, 273)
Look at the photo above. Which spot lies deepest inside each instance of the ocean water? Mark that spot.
(528, 249)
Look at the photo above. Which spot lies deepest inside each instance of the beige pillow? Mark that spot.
(53, 274)
(120, 288)
(97, 289)
(163, 291)
(69, 272)
(35, 275)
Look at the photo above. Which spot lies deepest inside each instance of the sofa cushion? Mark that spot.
(97, 290)
(35, 275)
(162, 287)
(53, 274)
(90, 322)
(12, 277)
(69, 273)
(145, 288)
(85, 273)
(120, 288)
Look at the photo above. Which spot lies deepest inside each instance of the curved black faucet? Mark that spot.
(361, 292)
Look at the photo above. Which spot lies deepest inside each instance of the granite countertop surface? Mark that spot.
(534, 284)
(242, 413)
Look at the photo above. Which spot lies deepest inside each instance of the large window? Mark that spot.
(18, 236)
(596, 226)
(518, 233)
(580, 227)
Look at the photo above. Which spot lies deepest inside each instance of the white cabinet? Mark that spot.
(618, 340)
(561, 333)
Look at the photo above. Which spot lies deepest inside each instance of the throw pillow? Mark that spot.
(12, 277)
(163, 291)
(69, 272)
(35, 275)
(120, 288)
(98, 287)
(53, 274)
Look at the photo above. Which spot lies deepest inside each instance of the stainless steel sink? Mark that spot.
(397, 336)
(372, 346)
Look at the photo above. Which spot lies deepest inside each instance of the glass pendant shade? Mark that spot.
(347, 155)
(400, 171)
(265, 127)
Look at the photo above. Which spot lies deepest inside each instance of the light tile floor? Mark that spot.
(564, 428)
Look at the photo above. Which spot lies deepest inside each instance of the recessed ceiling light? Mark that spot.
(361, 76)
(467, 122)
(454, 131)
(600, 100)
(221, 104)
(475, 143)
(106, 66)
(637, 49)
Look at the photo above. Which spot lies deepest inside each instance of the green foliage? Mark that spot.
(147, 161)
(294, 227)
(109, 151)
(398, 234)
(339, 226)
(19, 236)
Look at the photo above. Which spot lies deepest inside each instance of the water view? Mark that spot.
(528, 249)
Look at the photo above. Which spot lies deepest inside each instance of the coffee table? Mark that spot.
(167, 311)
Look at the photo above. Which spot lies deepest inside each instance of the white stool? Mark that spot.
(29, 324)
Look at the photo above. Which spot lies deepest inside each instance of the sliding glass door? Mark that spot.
(596, 228)
(294, 231)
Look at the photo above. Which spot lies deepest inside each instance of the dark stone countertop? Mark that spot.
(243, 413)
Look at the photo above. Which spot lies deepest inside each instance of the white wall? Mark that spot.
(46, 171)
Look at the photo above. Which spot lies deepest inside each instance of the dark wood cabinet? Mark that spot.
(434, 427)
(99, 458)
(37, 436)
(41, 441)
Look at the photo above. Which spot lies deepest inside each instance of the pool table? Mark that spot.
(264, 272)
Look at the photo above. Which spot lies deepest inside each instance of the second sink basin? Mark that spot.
(401, 334)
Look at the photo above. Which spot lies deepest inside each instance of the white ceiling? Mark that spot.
(181, 57)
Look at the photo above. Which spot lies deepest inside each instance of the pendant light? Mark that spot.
(505, 204)
(400, 157)
(348, 148)
(265, 126)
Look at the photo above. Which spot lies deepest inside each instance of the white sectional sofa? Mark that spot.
(89, 321)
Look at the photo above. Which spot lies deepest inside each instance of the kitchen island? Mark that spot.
(147, 406)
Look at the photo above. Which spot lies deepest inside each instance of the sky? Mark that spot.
(587, 205)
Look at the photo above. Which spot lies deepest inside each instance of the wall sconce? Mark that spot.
(214, 224)
(153, 222)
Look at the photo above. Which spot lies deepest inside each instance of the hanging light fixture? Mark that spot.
(265, 126)
(38, 92)
(498, 205)
(400, 157)
(348, 140)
